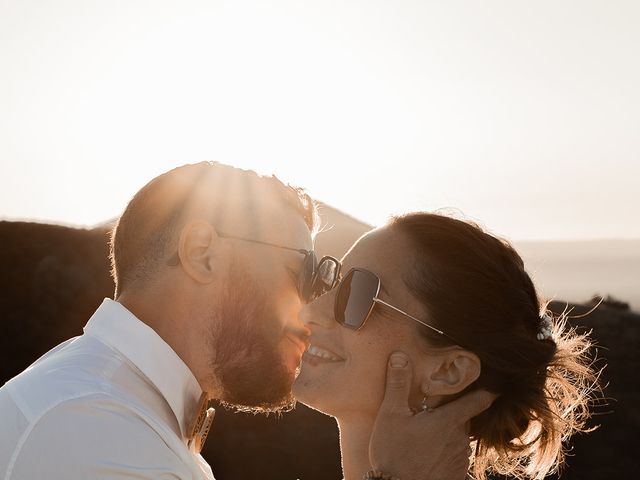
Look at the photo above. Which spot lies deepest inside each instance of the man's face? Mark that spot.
(257, 336)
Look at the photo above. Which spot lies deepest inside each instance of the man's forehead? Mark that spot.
(286, 227)
(278, 221)
(272, 222)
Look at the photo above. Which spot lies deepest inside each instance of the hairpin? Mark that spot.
(545, 328)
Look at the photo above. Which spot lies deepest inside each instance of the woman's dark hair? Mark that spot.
(474, 286)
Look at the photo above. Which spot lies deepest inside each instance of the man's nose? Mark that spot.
(296, 325)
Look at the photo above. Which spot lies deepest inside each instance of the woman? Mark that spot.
(459, 303)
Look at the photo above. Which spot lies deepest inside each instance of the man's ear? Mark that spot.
(196, 250)
(451, 373)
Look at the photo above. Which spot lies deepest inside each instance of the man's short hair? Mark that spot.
(149, 226)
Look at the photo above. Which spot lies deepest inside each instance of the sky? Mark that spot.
(523, 116)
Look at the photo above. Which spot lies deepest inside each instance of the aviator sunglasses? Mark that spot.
(357, 295)
(314, 278)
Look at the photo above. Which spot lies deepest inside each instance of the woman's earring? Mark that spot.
(425, 407)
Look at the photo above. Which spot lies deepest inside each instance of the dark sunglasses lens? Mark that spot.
(325, 276)
(354, 299)
(305, 279)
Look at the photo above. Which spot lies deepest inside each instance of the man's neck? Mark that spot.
(355, 433)
(176, 327)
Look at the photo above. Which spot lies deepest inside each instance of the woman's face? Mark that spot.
(352, 378)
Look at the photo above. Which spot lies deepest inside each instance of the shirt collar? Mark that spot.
(122, 330)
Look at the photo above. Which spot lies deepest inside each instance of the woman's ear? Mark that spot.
(451, 373)
(196, 252)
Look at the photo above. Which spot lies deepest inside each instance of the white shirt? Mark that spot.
(113, 403)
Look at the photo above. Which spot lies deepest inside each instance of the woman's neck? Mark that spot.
(355, 433)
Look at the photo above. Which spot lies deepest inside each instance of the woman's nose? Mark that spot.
(319, 312)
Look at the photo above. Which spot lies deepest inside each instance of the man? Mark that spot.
(212, 265)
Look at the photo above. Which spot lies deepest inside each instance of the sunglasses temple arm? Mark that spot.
(377, 300)
(260, 242)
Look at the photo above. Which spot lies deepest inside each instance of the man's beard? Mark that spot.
(248, 362)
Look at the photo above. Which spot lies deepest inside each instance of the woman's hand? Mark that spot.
(429, 445)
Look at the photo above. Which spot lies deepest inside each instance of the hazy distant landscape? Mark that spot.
(574, 271)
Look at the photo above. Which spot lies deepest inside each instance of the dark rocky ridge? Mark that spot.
(54, 277)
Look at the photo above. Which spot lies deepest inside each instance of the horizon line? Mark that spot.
(105, 223)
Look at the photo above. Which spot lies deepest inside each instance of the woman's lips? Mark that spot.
(316, 354)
